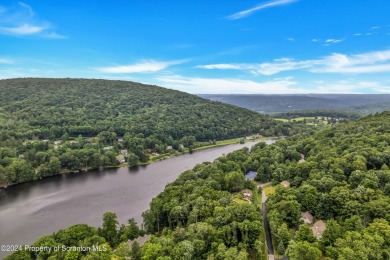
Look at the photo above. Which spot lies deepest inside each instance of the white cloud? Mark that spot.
(279, 65)
(287, 85)
(6, 61)
(225, 66)
(333, 40)
(267, 68)
(141, 67)
(197, 85)
(291, 39)
(25, 29)
(371, 62)
(22, 21)
(259, 7)
(384, 90)
(54, 35)
(27, 8)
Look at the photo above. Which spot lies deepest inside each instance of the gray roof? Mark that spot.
(251, 175)
(318, 228)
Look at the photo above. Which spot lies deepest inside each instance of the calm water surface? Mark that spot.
(31, 210)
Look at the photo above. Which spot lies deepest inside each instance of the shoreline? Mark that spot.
(151, 161)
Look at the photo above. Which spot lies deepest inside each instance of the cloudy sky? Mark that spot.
(230, 46)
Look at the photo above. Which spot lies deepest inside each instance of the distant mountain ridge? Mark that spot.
(287, 103)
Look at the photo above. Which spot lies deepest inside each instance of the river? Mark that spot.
(31, 210)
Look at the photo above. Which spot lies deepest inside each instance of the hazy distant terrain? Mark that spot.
(362, 103)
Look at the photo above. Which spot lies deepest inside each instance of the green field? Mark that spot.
(269, 190)
(315, 121)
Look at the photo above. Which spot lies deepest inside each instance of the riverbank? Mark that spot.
(158, 158)
(55, 203)
(218, 143)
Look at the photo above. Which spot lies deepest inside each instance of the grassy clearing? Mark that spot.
(240, 201)
(239, 198)
(269, 190)
(281, 119)
(264, 249)
(231, 141)
(310, 120)
(219, 143)
(257, 199)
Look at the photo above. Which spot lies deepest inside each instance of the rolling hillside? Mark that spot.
(48, 126)
(48, 108)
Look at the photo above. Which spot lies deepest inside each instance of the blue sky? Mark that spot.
(230, 46)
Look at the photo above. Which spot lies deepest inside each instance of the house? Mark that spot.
(107, 148)
(285, 183)
(21, 156)
(302, 159)
(141, 240)
(318, 228)
(247, 194)
(169, 147)
(58, 142)
(307, 218)
(124, 152)
(120, 140)
(252, 137)
(121, 160)
(251, 175)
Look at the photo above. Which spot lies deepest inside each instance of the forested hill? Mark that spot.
(49, 126)
(49, 108)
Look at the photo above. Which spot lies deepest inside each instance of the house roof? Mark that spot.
(141, 240)
(285, 183)
(307, 217)
(251, 175)
(318, 228)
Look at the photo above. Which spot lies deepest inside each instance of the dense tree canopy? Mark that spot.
(50, 108)
(53, 125)
(344, 181)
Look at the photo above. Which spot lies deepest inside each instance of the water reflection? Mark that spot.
(30, 210)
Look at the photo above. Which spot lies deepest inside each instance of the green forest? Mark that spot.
(51, 126)
(344, 181)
